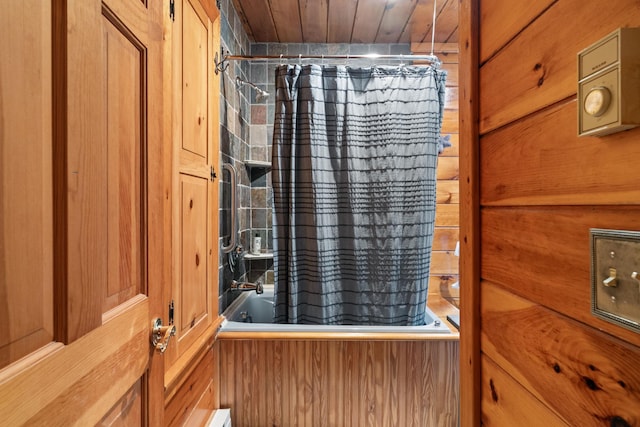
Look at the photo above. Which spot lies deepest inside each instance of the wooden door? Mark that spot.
(193, 291)
(83, 190)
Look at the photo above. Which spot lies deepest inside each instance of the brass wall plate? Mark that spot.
(615, 289)
(609, 84)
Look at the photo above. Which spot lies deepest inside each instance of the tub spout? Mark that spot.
(247, 286)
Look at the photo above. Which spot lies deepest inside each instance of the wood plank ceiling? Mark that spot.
(348, 21)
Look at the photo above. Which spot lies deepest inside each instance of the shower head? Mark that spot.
(260, 93)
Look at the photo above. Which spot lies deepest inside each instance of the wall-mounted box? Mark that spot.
(615, 276)
(609, 84)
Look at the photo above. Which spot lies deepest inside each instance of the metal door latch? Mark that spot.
(161, 335)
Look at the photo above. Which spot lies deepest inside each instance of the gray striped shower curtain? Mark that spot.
(355, 152)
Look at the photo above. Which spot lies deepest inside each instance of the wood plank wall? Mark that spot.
(339, 383)
(444, 265)
(545, 359)
(197, 397)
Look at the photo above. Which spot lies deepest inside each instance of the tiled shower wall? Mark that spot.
(247, 131)
(234, 139)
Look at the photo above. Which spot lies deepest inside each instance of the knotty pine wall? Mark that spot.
(339, 383)
(545, 360)
(444, 265)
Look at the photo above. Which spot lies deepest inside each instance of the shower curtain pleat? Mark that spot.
(354, 192)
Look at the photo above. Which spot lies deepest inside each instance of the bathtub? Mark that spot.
(252, 312)
(278, 374)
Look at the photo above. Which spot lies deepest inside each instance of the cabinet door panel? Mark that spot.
(193, 277)
(193, 290)
(26, 214)
(195, 50)
(125, 146)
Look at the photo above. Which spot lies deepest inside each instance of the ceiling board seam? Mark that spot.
(304, 39)
(273, 21)
(300, 20)
(380, 23)
(515, 36)
(451, 34)
(326, 34)
(400, 33)
(243, 17)
(430, 30)
(353, 24)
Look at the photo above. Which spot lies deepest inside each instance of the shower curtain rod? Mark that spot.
(432, 59)
(409, 57)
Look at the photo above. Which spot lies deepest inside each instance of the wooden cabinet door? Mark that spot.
(83, 190)
(195, 124)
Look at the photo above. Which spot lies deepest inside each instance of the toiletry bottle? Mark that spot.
(257, 244)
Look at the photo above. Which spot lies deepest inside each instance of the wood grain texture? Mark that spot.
(196, 393)
(86, 179)
(446, 23)
(585, 376)
(210, 8)
(535, 70)
(366, 22)
(396, 16)
(445, 238)
(447, 192)
(313, 14)
(443, 287)
(194, 210)
(178, 372)
(444, 263)
(257, 19)
(447, 215)
(541, 161)
(420, 23)
(340, 20)
(195, 151)
(347, 21)
(500, 25)
(196, 31)
(286, 18)
(102, 374)
(447, 169)
(542, 188)
(313, 383)
(26, 227)
(470, 239)
(124, 93)
(543, 254)
(447, 53)
(505, 402)
(127, 411)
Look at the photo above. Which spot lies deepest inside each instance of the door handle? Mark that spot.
(161, 335)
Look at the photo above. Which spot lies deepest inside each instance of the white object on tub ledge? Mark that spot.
(220, 418)
(456, 252)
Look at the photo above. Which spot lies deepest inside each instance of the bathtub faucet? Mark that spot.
(247, 286)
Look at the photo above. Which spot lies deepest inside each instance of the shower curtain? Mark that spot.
(354, 192)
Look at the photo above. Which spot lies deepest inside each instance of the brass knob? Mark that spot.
(161, 335)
